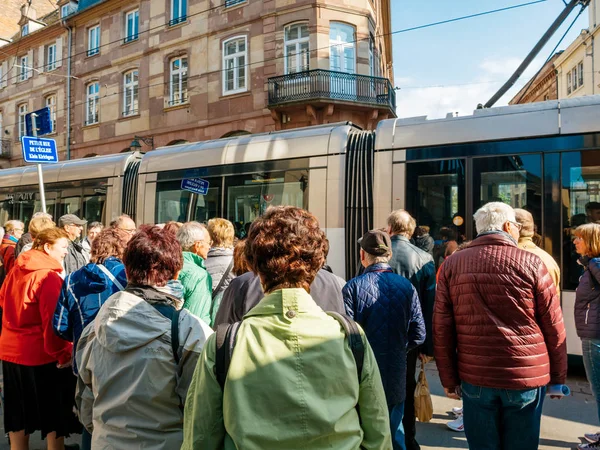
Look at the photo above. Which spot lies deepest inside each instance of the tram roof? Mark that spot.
(319, 140)
(73, 170)
(550, 118)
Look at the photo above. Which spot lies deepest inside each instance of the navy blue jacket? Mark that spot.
(387, 306)
(587, 300)
(83, 293)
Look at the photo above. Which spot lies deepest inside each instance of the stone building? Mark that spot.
(169, 71)
(543, 86)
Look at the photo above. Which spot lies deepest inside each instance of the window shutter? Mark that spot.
(59, 51)
(41, 59)
(30, 63)
(5, 74)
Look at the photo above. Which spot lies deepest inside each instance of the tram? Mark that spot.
(543, 157)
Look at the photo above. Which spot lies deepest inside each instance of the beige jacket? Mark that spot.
(526, 243)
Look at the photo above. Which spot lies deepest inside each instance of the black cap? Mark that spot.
(376, 243)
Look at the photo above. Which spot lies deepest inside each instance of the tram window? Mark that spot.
(6, 210)
(93, 208)
(171, 202)
(249, 196)
(435, 195)
(515, 180)
(207, 205)
(70, 205)
(581, 204)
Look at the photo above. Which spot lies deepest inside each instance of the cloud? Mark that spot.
(463, 98)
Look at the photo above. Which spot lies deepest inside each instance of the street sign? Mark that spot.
(39, 150)
(43, 122)
(195, 185)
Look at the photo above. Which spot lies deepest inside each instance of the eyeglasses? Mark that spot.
(130, 231)
(209, 242)
(517, 224)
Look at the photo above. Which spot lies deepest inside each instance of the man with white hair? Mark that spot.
(125, 223)
(498, 333)
(197, 283)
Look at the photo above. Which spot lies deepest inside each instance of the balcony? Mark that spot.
(5, 148)
(325, 86)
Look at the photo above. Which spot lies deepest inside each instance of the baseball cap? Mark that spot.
(70, 219)
(376, 243)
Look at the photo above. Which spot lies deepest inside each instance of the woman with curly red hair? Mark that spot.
(292, 380)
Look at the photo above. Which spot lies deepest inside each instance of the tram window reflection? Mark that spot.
(581, 204)
(171, 202)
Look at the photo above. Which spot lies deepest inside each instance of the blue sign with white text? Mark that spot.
(195, 185)
(39, 150)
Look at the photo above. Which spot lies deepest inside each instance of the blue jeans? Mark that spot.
(396, 415)
(86, 440)
(591, 361)
(502, 419)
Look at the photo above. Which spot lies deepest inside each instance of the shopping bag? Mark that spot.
(423, 403)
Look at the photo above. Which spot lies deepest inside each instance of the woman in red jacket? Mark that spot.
(38, 386)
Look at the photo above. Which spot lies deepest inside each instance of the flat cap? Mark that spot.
(70, 219)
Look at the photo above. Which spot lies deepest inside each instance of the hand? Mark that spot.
(69, 363)
(454, 394)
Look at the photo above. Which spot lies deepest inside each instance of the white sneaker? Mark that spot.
(457, 425)
(457, 411)
(591, 445)
(592, 437)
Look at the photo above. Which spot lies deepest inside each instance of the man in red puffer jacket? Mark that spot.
(498, 333)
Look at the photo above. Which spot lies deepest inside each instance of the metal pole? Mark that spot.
(533, 53)
(39, 166)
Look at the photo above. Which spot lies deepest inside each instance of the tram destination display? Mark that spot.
(195, 185)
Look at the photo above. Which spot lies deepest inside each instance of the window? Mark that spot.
(93, 41)
(372, 64)
(130, 93)
(22, 112)
(25, 30)
(51, 57)
(178, 11)
(91, 104)
(342, 53)
(580, 72)
(234, 64)
(132, 25)
(569, 83)
(65, 10)
(574, 78)
(51, 103)
(229, 3)
(23, 68)
(297, 52)
(178, 81)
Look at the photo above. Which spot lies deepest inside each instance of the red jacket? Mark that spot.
(7, 253)
(497, 320)
(28, 298)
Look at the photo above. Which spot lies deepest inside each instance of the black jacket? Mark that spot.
(245, 291)
(417, 266)
(25, 239)
(587, 300)
(425, 243)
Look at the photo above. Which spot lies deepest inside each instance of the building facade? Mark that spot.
(170, 71)
(543, 86)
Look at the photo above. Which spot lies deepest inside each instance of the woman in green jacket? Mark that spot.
(292, 379)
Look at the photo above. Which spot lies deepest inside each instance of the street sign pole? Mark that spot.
(39, 166)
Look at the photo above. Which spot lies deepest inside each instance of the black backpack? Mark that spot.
(226, 339)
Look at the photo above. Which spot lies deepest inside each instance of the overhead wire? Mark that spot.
(443, 22)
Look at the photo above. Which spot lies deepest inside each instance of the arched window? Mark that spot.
(297, 48)
(342, 40)
(177, 142)
(130, 93)
(235, 133)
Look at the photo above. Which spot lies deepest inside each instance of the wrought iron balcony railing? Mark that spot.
(5, 148)
(322, 84)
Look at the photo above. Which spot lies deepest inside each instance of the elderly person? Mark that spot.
(387, 306)
(526, 235)
(499, 335)
(418, 267)
(587, 310)
(125, 223)
(220, 259)
(35, 362)
(138, 356)
(27, 238)
(36, 226)
(77, 257)
(197, 284)
(93, 230)
(291, 361)
(14, 229)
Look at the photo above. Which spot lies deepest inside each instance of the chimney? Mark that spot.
(28, 12)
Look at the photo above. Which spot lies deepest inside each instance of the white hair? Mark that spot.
(190, 233)
(9, 227)
(373, 259)
(492, 217)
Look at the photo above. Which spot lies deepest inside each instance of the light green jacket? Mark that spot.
(292, 384)
(197, 285)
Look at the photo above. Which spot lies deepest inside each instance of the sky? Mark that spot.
(453, 67)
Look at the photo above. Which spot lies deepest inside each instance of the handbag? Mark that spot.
(423, 403)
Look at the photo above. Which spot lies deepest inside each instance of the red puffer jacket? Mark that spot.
(497, 320)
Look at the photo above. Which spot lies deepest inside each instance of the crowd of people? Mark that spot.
(178, 336)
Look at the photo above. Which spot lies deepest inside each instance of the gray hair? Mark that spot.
(373, 259)
(10, 226)
(189, 234)
(492, 217)
(95, 225)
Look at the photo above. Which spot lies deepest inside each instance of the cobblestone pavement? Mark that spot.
(563, 421)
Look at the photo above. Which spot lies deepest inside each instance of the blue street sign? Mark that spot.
(43, 122)
(195, 185)
(39, 150)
